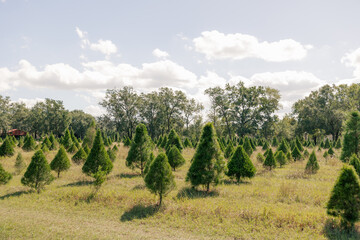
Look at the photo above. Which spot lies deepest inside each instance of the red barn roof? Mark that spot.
(16, 132)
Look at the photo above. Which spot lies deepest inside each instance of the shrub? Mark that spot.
(98, 157)
(173, 140)
(19, 163)
(354, 161)
(208, 162)
(160, 180)
(80, 156)
(270, 160)
(240, 165)
(111, 154)
(351, 137)
(175, 158)
(61, 161)
(38, 173)
(280, 158)
(5, 177)
(345, 197)
(296, 154)
(29, 144)
(139, 152)
(6, 149)
(260, 158)
(247, 146)
(312, 166)
(229, 151)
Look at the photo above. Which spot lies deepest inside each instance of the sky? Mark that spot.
(74, 50)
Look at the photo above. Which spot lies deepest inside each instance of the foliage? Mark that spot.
(270, 161)
(247, 146)
(296, 154)
(173, 140)
(80, 156)
(38, 173)
(61, 162)
(208, 162)
(97, 157)
(140, 149)
(160, 180)
(312, 166)
(240, 165)
(67, 142)
(345, 197)
(351, 142)
(19, 163)
(6, 149)
(111, 154)
(29, 143)
(280, 158)
(260, 158)
(355, 162)
(5, 177)
(229, 151)
(175, 158)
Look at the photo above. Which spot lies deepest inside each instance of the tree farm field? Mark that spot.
(284, 203)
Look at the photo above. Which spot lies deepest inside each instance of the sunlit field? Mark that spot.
(284, 203)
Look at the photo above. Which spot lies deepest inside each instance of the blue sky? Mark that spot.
(74, 50)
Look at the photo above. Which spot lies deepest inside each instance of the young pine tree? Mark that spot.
(80, 156)
(312, 166)
(61, 162)
(296, 154)
(331, 151)
(5, 177)
(247, 146)
(173, 140)
(270, 161)
(19, 163)
(160, 180)
(89, 135)
(229, 151)
(140, 149)
(240, 165)
(175, 158)
(280, 158)
(6, 149)
(148, 164)
(352, 137)
(111, 154)
(283, 147)
(260, 158)
(345, 198)
(208, 162)
(187, 143)
(355, 162)
(29, 144)
(38, 173)
(67, 141)
(98, 158)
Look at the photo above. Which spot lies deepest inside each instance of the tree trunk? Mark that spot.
(160, 199)
(207, 187)
(58, 174)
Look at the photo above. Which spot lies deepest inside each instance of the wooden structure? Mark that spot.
(16, 133)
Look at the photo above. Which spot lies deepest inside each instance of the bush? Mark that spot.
(175, 158)
(140, 150)
(270, 160)
(240, 165)
(208, 163)
(61, 161)
(98, 157)
(260, 158)
(280, 158)
(80, 156)
(38, 173)
(19, 163)
(5, 177)
(160, 180)
(296, 154)
(351, 137)
(355, 162)
(345, 197)
(6, 149)
(229, 151)
(173, 140)
(312, 166)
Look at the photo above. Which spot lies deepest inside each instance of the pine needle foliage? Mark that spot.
(38, 174)
(160, 179)
(140, 149)
(98, 157)
(351, 142)
(5, 176)
(60, 162)
(312, 166)
(345, 198)
(240, 165)
(175, 158)
(208, 163)
(80, 156)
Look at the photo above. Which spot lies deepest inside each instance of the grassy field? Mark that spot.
(282, 204)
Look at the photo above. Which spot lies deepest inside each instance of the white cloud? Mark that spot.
(30, 102)
(292, 85)
(160, 54)
(217, 45)
(352, 59)
(95, 110)
(106, 47)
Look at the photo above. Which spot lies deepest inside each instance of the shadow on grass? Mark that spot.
(139, 212)
(234, 182)
(14, 194)
(77, 184)
(139, 187)
(128, 175)
(192, 193)
(334, 231)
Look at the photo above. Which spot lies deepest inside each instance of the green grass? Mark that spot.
(282, 204)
